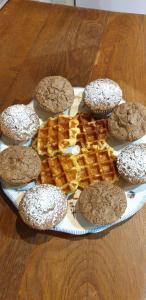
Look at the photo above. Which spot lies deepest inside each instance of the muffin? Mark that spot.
(102, 203)
(54, 94)
(102, 96)
(19, 122)
(131, 163)
(43, 207)
(128, 122)
(19, 165)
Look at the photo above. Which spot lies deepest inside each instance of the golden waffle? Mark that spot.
(41, 140)
(56, 134)
(91, 131)
(61, 171)
(96, 165)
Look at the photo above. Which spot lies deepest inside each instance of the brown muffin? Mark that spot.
(43, 206)
(102, 96)
(19, 165)
(102, 203)
(19, 122)
(54, 94)
(128, 122)
(131, 163)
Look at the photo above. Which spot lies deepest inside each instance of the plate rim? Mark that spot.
(98, 229)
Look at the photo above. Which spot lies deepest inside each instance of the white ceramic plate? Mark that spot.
(74, 223)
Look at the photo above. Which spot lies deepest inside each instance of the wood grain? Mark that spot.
(122, 53)
(37, 40)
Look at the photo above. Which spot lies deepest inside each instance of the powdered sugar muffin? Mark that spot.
(43, 206)
(19, 122)
(102, 95)
(131, 163)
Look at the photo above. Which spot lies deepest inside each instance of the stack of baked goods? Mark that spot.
(57, 170)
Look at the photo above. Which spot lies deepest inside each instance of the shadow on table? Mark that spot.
(12, 226)
(22, 231)
(39, 237)
(5, 198)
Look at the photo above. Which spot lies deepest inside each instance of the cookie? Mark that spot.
(102, 96)
(102, 203)
(54, 94)
(19, 165)
(19, 122)
(128, 122)
(131, 163)
(43, 207)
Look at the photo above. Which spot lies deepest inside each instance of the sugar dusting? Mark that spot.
(132, 161)
(21, 121)
(44, 204)
(103, 91)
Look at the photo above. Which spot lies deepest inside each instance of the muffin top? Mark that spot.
(102, 94)
(43, 206)
(128, 121)
(54, 94)
(102, 203)
(19, 122)
(131, 161)
(19, 165)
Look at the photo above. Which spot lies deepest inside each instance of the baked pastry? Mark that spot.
(54, 94)
(68, 171)
(19, 122)
(62, 171)
(96, 164)
(102, 96)
(131, 163)
(56, 134)
(91, 131)
(19, 165)
(43, 207)
(128, 121)
(102, 203)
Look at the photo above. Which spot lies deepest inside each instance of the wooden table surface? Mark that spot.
(37, 40)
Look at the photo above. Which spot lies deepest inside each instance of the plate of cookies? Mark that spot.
(73, 160)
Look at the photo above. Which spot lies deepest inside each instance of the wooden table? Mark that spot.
(37, 40)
